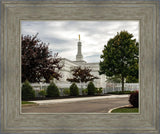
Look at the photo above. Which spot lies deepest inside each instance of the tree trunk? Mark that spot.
(122, 84)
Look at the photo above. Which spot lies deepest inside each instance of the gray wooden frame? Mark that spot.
(146, 121)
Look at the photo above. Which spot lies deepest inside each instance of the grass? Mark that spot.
(27, 102)
(120, 92)
(125, 110)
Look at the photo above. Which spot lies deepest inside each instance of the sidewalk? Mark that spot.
(68, 100)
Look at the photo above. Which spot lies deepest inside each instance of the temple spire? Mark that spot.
(79, 56)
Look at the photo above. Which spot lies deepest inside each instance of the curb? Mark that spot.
(118, 107)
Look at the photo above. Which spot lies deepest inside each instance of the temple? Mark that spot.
(68, 65)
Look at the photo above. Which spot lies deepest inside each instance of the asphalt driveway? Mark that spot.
(87, 106)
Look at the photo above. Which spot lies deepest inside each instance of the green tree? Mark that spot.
(74, 91)
(27, 91)
(91, 88)
(119, 56)
(52, 90)
(133, 74)
(114, 79)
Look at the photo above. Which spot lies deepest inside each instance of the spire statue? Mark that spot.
(79, 56)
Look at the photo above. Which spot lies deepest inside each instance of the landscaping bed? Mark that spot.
(121, 92)
(65, 97)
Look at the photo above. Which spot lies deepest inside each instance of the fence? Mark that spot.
(110, 87)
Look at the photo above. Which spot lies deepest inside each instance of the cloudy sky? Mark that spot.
(62, 36)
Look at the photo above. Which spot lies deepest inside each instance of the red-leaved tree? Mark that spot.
(81, 75)
(37, 60)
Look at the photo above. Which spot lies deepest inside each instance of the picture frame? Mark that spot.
(13, 121)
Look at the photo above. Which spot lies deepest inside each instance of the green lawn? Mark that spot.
(125, 110)
(27, 102)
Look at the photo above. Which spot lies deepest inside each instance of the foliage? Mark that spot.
(81, 75)
(120, 57)
(99, 91)
(84, 91)
(121, 92)
(52, 90)
(133, 74)
(125, 110)
(114, 79)
(37, 61)
(66, 92)
(133, 99)
(131, 79)
(74, 91)
(42, 93)
(27, 91)
(91, 88)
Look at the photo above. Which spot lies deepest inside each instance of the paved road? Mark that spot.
(88, 106)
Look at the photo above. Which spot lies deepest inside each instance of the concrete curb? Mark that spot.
(117, 108)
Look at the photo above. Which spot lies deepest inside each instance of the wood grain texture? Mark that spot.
(13, 12)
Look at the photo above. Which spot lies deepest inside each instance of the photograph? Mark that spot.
(80, 66)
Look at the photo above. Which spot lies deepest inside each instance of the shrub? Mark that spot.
(85, 91)
(91, 89)
(27, 91)
(42, 93)
(96, 90)
(74, 91)
(133, 99)
(66, 92)
(99, 91)
(52, 90)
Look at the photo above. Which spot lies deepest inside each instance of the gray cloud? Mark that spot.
(62, 36)
(54, 40)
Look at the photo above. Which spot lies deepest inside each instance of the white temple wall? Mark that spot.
(66, 73)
